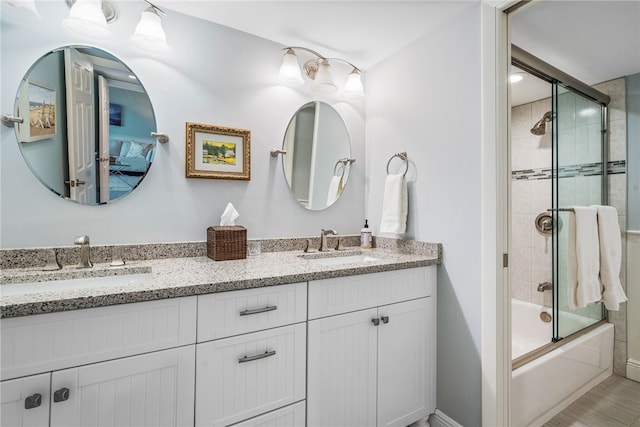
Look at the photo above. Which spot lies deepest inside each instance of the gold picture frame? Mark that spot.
(217, 152)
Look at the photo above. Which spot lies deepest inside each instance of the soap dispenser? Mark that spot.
(365, 236)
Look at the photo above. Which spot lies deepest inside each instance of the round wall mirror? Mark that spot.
(318, 159)
(86, 125)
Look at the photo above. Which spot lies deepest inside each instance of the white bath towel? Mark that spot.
(587, 256)
(610, 257)
(335, 189)
(394, 205)
(571, 266)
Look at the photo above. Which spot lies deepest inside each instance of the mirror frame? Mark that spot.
(127, 172)
(316, 187)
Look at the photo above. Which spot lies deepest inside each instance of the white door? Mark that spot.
(154, 389)
(342, 363)
(405, 380)
(103, 138)
(25, 401)
(80, 126)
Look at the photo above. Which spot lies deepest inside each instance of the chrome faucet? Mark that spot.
(85, 251)
(323, 239)
(545, 286)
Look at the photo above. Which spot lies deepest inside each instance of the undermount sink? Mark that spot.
(25, 288)
(337, 258)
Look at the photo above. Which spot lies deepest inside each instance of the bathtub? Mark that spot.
(546, 385)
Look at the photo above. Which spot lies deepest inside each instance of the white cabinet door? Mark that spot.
(342, 363)
(25, 402)
(405, 356)
(247, 375)
(154, 389)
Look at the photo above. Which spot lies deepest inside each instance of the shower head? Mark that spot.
(540, 128)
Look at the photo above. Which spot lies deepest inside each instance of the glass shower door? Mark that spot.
(579, 179)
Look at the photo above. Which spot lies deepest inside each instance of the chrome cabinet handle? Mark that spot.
(249, 312)
(61, 395)
(246, 359)
(385, 319)
(33, 401)
(375, 321)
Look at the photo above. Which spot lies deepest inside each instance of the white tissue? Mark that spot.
(229, 215)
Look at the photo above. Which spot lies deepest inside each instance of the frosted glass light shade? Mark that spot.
(323, 81)
(86, 18)
(353, 88)
(290, 73)
(149, 34)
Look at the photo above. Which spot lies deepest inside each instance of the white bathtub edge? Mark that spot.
(633, 369)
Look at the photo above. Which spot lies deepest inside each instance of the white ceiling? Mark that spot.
(361, 32)
(592, 40)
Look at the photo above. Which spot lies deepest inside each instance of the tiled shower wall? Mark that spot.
(617, 188)
(530, 258)
(531, 195)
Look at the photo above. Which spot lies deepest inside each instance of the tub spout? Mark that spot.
(545, 286)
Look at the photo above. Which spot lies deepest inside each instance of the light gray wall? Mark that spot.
(432, 111)
(214, 75)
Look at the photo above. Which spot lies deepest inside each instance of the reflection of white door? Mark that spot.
(103, 138)
(80, 126)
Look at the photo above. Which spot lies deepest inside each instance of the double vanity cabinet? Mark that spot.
(357, 350)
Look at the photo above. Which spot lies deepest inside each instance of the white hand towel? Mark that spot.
(394, 205)
(588, 256)
(610, 257)
(335, 188)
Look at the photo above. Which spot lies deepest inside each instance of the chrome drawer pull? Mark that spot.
(257, 356)
(248, 312)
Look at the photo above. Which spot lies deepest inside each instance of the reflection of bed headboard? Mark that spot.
(131, 146)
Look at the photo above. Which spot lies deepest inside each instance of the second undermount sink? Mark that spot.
(63, 285)
(339, 258)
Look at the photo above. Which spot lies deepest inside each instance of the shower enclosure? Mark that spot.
(576, 123)
(559, 350)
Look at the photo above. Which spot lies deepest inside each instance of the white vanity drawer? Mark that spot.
(289, 416)
(48, 342)
(328, 297)
(248, 375)
(232, 313)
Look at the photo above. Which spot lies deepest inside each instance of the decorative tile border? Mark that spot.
(587, 169)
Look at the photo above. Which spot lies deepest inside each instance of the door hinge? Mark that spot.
(505, 260)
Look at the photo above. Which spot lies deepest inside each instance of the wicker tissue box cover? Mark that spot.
(226, 242)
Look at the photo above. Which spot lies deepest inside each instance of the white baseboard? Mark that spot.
(633, 369)
(440, 419)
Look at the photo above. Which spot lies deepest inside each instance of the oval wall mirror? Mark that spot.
(318, 155)
(86, 125)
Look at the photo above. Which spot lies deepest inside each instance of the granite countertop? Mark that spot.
(180, 277)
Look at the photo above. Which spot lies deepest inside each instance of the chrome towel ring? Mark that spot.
(403, 156)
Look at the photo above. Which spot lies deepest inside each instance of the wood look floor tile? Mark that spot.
(615, 402)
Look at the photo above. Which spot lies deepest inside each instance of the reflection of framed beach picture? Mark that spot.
(218, 152)
(38, 109)
(115, 114)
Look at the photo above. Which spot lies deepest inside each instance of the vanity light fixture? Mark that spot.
(319, 70)
(89, 18)
(149, 33)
